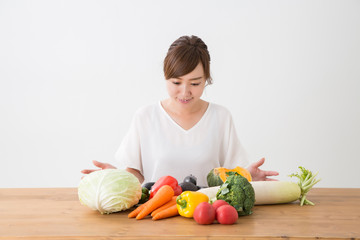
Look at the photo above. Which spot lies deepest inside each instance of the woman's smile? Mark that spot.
(184, 100)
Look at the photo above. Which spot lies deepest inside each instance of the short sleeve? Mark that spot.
(129, 152)
(234, 153)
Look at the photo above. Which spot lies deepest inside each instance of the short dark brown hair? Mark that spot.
(184, 55)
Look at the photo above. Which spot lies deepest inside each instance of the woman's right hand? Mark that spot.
(100, 165)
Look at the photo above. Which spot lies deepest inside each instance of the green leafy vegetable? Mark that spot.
(306, 181)
(144, 195)
(109, 190)
(238, 192)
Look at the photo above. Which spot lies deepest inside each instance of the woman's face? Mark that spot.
(187, 90)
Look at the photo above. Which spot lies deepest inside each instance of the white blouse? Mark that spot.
(157, 146)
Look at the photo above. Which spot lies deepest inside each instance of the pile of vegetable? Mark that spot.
(234, 195)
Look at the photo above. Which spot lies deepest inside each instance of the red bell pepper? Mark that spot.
(166, 180)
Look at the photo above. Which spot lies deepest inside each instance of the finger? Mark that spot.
(271, 179)
(87, 171)
(258, 163)
(271, 173)
(99, 164)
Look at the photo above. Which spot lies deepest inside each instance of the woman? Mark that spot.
(183, 134)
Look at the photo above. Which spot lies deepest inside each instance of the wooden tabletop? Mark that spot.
(58, 214)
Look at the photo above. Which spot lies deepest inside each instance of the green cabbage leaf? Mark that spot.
(109, 190)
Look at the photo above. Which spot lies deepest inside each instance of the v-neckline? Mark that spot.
(180, 127)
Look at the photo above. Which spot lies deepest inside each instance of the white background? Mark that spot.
(72, 74)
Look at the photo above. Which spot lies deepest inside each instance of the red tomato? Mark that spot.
(204, 213)
(219, 203)
(226, 214)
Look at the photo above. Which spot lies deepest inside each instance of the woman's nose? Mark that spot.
(185, 89)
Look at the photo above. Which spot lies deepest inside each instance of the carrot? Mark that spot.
(135, 212)
(169, 212)
(163, 195)
(166, 205)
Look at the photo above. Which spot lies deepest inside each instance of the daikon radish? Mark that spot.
(266, 192)
(275, 192)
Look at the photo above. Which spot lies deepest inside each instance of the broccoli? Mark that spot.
(238, 192)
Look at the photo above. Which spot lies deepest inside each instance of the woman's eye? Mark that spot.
(195, 84)
(176, 83)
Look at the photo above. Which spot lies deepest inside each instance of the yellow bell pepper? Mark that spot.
(187, 201)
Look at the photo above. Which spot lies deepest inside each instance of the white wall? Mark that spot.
(72, 73)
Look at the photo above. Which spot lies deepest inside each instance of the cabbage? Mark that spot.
(109, 190)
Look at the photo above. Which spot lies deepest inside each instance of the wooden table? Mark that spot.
(58, 214)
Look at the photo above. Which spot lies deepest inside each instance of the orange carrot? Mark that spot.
(135, 212)
(169, 212)
(165, 206)
(163, 195)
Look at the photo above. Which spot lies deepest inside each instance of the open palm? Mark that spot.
(260, 175)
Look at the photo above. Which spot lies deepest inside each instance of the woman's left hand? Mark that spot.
(261, 175)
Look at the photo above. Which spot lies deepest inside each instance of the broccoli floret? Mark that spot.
(238, 192)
